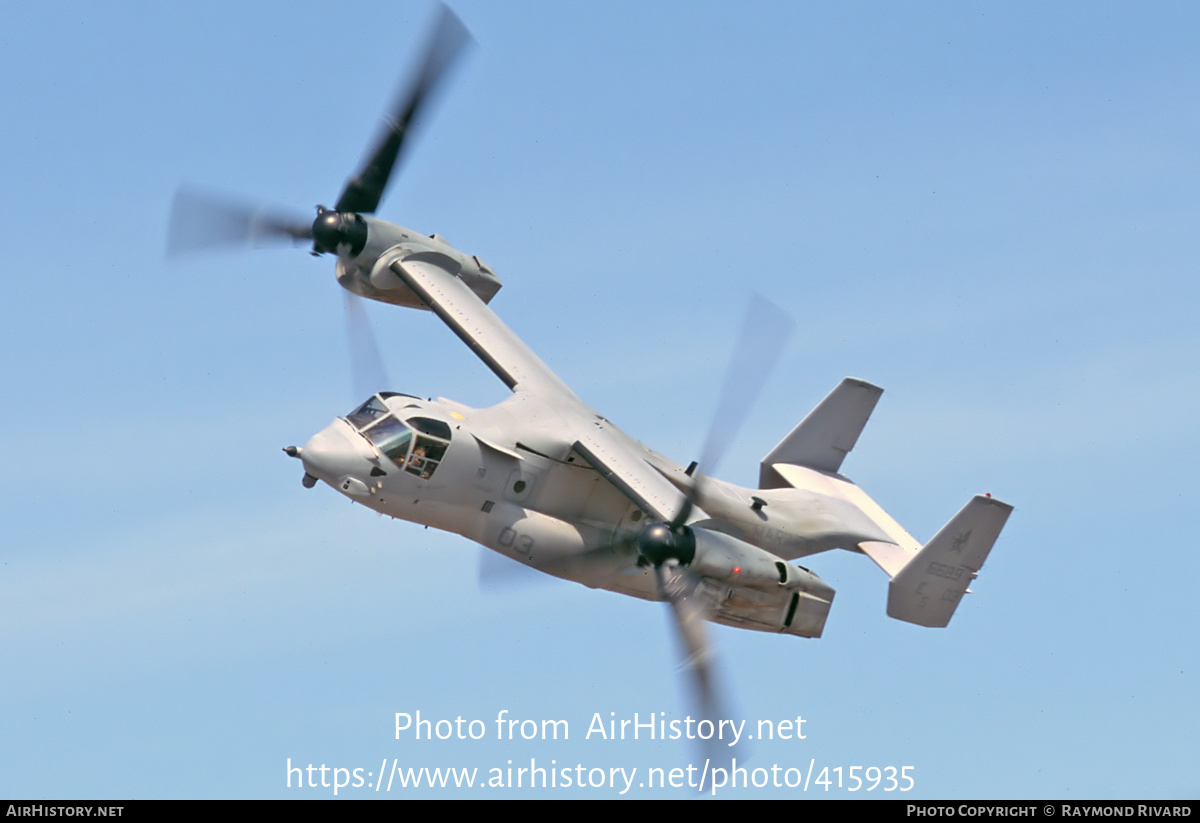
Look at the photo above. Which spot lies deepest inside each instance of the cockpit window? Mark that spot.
(367, 413)
(427, 437)
(432, 442)
(391, 437)
(427, 425)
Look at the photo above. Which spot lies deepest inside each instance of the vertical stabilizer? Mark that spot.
(823, 439)
(927, 590)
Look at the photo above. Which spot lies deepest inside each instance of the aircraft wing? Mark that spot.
(609, 450)
(612, 453)
(479, 327)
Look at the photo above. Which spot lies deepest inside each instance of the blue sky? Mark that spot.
(988, 209)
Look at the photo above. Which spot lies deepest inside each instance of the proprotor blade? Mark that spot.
(364, 192)
(200, 222)
(690, 608)
(682, 591)
(763, 336)
(368, 375)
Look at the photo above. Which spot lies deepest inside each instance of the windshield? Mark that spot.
(367, 413)
(395, 439)
(391, 437)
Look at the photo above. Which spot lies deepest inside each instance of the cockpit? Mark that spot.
(416, 444)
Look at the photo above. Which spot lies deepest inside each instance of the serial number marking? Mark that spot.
(948, 572)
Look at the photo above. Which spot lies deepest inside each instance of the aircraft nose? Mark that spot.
(333, 455)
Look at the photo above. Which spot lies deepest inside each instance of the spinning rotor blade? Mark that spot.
(763, 336)
(201, 222)
(364, 192)
(685, 594)
(368, 375)
(681, 589)
(496, 573)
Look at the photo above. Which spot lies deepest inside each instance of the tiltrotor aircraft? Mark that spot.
(543, 479)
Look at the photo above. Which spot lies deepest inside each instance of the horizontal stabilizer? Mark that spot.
(926, 591)
(823, 439)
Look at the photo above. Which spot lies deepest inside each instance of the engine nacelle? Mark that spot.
(368, 273)
(759, 590)
(722, 557)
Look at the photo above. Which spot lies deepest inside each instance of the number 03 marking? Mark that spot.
(511, 539)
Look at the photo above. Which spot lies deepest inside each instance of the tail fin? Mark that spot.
(928, 587)
(822, 440)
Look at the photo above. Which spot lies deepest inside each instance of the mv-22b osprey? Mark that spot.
(543, 479)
